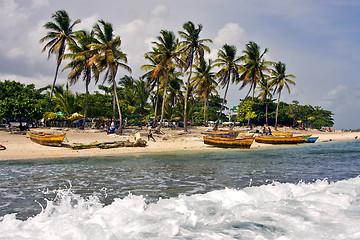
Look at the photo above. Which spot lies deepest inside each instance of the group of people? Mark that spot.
(265, 131)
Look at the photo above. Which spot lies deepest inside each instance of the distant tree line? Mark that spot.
(20, 101)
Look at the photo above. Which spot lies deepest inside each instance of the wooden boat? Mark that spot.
(48, 139)
(2, 147)
(311, 139)
(229, 142)
(270, 139)
(221, 133)
(284, 134)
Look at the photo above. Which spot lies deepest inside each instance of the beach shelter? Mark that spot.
(76, 116)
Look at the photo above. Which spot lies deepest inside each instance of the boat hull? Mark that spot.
(221, 133)
(229, 142)
(47, 139)
(279, 139)
(312, 139)
(284, 134)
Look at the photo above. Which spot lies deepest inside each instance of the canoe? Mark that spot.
(284, 134)
(280, 139)
(221, 133)
(311, 139)
(47, 139)
(229, 142)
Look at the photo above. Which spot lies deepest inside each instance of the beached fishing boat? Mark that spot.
(48, 139)
(229, 142)
(2, 147)
(284, 134)
(311, 139)
(270, 139)
(221, 133)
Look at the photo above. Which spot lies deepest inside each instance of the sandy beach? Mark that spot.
(18, 146)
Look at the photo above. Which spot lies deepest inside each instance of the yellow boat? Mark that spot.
(229, 142)
(280, 139)
(221, 133)
(284, 134)
(47, 139)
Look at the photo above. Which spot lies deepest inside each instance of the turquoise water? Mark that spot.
(186, 195)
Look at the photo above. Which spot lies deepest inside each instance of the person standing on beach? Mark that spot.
(150, 134)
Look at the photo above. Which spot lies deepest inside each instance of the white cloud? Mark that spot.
(87, 23)
(15, 53)
(232, 34)
(11, 14)
(159, 10)
(39, 3)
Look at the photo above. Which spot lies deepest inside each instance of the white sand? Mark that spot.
(20, 147)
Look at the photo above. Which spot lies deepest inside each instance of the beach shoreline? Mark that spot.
(19, 147)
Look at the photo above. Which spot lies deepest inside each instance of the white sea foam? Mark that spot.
(319, 210)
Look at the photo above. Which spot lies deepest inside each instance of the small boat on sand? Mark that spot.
(270, 139)
(221, 133)
(47, 139)
(284, 134)
(229, 142)
(2, 147)
(312, 139)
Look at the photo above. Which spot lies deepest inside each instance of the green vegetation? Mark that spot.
(177, 76)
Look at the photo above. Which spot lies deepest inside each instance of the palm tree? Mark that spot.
(265, 94)
(229, 72)
(164, 54)
(252, 71)
(205, 84)
(279, 80)
(152, 80)
(109, 57)
(81, 65)
(60, 33)
(192, 48)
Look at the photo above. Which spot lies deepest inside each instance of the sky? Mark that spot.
(318, 40)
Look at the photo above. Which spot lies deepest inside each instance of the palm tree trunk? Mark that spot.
(86, 103)
(156, 105)
(53, 85)
(241, 105)
(205, 111)
(252, 101)
(222, 106)
(277, 111)
(118, 106)
(186, 98)
(266, 113)
(114, 104)
(163, 103)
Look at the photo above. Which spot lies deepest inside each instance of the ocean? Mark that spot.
(309, 191)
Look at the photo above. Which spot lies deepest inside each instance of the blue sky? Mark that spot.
(318, 40)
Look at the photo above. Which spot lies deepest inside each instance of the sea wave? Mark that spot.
(317, 210)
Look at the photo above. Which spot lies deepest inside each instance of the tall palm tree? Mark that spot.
(279, 80)
(60, 33)
(229, 72)
(81, 64)
(205, 84)
(192, 48)
(152, 80)
(109, 57)
(265, 94)
(165, 53)
(253, 70)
